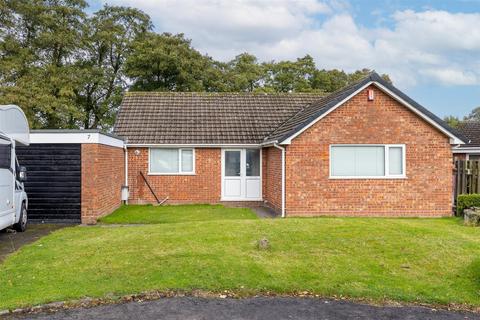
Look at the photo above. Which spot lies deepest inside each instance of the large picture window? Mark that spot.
(367, 161)
(171, 161)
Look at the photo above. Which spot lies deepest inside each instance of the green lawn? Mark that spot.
(175, 213)
(415, 260)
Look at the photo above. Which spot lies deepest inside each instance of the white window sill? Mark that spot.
(171, 174)
(368, 178)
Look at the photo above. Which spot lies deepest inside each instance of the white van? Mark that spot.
(13, 199)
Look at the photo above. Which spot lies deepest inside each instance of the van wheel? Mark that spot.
(22, 223)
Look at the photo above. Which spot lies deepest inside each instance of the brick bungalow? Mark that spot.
(367, 149)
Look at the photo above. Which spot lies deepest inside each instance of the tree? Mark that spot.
(287, 76)
(107, 42)
(329, 80)
(244, 73)
(36, 53)
(167, 62)
(474, 114)
(452, 121)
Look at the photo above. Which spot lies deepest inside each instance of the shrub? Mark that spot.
(465, 201)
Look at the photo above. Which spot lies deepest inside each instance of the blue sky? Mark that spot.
(431, 49)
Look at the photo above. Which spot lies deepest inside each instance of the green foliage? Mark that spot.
(244, 73)
(166, 62)
(67, 69)
(289, 76)
(107, 42)
(474, 115)
(465, 201)
(35, 54)
(452, 121)
(415, 260)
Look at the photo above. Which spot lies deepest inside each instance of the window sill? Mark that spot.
(171, 174)
(369, 178)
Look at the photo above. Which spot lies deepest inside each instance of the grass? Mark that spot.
(414, 260)
(149, 214)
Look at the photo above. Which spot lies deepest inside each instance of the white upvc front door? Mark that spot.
(241, 174)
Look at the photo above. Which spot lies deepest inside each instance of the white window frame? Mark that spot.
(180, 172)
(387, 162)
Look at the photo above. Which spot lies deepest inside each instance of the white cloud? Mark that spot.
(428, 46)
(455, 76)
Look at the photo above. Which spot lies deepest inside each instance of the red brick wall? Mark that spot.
(427, 191)
(103, 174)
(203, 187)
(272, 177)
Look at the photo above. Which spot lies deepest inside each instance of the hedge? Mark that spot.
(465, 201)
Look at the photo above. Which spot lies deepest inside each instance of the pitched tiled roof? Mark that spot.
(471, 130)
(235, 118)
(205, 118)
(311, 112)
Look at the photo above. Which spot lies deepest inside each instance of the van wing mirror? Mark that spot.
(22, 174)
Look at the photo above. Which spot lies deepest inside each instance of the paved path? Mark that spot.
(10, 241)
(189, 308)
(265, 212)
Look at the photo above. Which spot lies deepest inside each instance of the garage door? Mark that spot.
(53, 181)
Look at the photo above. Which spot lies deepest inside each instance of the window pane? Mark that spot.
(5, 156)
(343, 161)
(187, 160)
(395, 161)
(164, 160)
(232, 163)
(370, 161)
(253, 162)
(358, 161)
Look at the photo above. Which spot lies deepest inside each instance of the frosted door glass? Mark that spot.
(253, 162)
(395, 160)
(187, 160)
(232, 163)
(164, 160)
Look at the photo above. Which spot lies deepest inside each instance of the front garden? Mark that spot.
(434, 261)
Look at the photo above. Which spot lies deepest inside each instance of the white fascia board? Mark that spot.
(76, 137)
(453, 139)
(466, 150)
(190, 145)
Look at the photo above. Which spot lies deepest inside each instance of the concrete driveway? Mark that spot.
(190, 308)
(11, 241)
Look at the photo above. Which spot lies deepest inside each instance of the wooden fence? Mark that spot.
(466, 176)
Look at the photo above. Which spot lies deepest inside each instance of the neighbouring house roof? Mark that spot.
(241, 118)
(471, 131)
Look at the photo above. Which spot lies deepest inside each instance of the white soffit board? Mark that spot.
(76, 137)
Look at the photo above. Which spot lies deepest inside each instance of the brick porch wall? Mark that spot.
(203, 187)
(427, 190)
(272, 178)
(103, 174)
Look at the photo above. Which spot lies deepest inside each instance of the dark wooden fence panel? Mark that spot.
(467, 177)
(53, 181)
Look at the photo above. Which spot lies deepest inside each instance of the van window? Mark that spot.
(5, 156)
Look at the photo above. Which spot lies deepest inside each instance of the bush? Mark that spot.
(465, 201)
